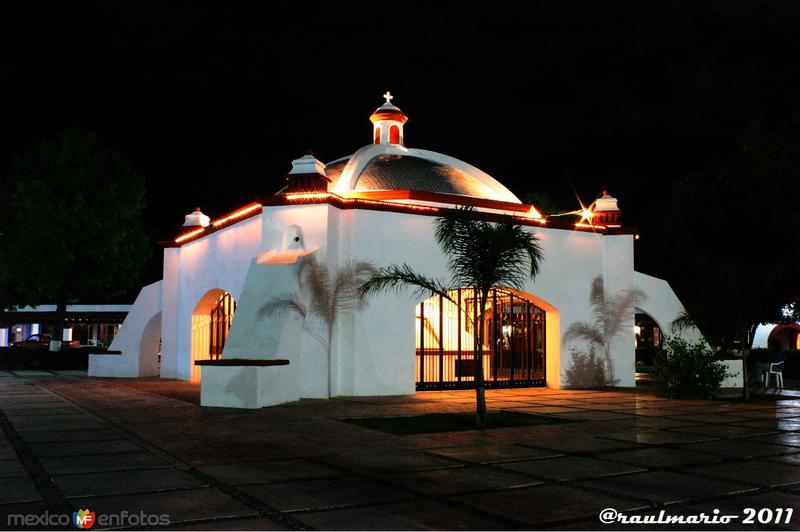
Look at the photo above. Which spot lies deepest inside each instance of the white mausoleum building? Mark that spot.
(379, 205)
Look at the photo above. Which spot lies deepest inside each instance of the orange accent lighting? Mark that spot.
(308, 195)
(590, 226)
(190, 234)
(237, 214)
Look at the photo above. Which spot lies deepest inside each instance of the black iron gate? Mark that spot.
(446, 343)
(221, 318)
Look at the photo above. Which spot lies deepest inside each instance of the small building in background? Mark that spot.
(88, 325)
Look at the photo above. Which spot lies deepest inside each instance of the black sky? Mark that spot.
(211, 102)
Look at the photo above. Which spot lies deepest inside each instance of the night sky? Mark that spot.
(212, 102)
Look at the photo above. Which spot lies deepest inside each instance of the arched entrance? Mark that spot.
(514, 349)
(150, 348)
(211, 321)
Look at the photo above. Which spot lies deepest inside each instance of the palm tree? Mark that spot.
(480, 255)
(610, 317)
(324, 296)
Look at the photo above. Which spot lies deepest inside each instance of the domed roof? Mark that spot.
(384, 167)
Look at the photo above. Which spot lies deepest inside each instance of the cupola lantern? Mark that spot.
(387, 123)
(307, 175)
(606, 211)
(196, 219)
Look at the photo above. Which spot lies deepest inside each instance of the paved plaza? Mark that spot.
(72, 442)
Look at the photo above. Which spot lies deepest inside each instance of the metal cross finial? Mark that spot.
(388, 96)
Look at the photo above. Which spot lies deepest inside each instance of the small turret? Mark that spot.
(307, 175)
(387, 123)
(606, 212)
(196, 219)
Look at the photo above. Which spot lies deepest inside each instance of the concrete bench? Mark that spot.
(226, 362)
(245, 383)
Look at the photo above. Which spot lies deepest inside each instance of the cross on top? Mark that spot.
(388, 96)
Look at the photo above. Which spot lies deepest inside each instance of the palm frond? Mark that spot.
(581, 330)
(314, 278)
(620, 310)
(398, 278)
(283, 303)
(683, 322)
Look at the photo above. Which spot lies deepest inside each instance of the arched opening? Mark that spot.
(150, 348)
(394, 134)
(211, 321)
(648, 337)
(377, 135)
(785, 337)
(514, 346)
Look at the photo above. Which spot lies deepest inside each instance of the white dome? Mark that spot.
(377, 167)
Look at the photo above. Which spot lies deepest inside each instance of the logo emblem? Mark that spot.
(83, 519)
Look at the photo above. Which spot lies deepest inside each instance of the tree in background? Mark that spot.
(732, 245)
(480, 255)
(72, 232)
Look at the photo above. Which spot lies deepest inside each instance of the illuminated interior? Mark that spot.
(211, 322)
(446, 341)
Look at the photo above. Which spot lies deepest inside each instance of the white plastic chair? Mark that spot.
(776, 368)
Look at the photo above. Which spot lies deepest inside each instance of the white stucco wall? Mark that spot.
(373, 351)
(133, 339)
(662, 305)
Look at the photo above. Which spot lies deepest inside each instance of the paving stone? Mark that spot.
(753, 472)
(18, 489)
(774, 424)
(725, 431)
(92, 484)
(387, 461)
(69, 435)
(569, 468)
(459, 480)
(79, 448)
(20, 510)
(740, 448)
(7, 452)
(324, 493)
(536, 506)
(665, 487)
(792, 459)
(181, 505)
(657, 437)
(661, 457)
(415, 515)
(594, 415)
(485, 454)
(584, 444)
(13, 413)
(101, 462)
(11, 468)
(31, 425)
(269, 471)
(258, 523)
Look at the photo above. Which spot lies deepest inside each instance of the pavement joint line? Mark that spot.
(263, 509)
(51, 494)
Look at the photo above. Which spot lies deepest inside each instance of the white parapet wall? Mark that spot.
(137, 340)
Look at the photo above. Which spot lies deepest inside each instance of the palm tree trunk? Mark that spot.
(480, 389)
(610, 364)
(330, 360)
